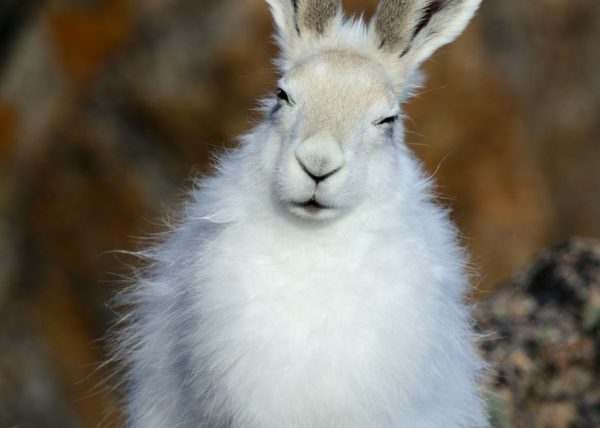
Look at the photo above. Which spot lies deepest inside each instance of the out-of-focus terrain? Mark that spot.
(541, 335)
(107, 107)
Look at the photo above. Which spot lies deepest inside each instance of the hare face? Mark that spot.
(335, 115)
(334, 132)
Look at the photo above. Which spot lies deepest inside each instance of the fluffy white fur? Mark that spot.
(261, 310)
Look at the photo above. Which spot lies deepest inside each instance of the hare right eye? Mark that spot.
(387, 120)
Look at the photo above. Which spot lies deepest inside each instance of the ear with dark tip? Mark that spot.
(395, 23)
(297, 19)
(315, 16)
(416, 28)
(284, 15)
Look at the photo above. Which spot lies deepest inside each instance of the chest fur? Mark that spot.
(314, 323)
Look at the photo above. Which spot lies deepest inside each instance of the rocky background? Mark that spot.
(108, 107)
(541, 333)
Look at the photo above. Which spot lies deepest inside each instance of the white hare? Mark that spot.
(313, 281)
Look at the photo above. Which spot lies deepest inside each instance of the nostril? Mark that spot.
(318, 177)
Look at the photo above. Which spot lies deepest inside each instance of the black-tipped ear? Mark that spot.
(416, 28)
(296, 19)
(284, 15)
(315, 16)
(395, 23)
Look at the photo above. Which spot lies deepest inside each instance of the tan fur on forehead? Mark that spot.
(351, 82)
(343, 60)
(396, 20)
(316, 15)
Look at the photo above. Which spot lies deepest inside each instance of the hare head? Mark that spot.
(336, 112)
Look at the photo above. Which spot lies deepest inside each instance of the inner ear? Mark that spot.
(428, 13)
(396, 21)
(315, 15)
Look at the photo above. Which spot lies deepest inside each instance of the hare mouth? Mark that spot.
(310, 205)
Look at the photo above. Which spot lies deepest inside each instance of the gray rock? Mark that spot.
(544, 340)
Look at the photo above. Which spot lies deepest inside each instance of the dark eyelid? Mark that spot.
(282, 95)
(389, 119)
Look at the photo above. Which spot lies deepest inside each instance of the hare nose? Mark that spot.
(320, 157)
(318, 178)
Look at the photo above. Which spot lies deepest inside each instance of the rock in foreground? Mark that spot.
(544, 341)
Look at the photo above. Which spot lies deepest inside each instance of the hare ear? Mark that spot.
(284, 15)
(315, 16)
(414, 29)
(297, 19)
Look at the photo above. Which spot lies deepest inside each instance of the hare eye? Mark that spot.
(387, 120)
(282, 95)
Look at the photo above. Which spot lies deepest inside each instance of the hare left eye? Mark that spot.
(282, 95)
(387, 120)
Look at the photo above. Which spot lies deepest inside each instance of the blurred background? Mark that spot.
(108, 107)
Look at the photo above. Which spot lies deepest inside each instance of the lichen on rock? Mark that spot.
(543, 341)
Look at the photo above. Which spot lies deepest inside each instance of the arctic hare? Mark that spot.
(313, 281)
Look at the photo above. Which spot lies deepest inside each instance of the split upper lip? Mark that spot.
(311, 203)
